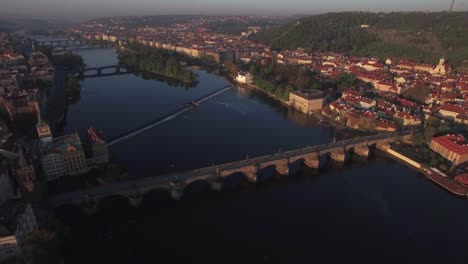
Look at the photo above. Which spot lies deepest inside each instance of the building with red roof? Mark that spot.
(462, 179)
(452, 110)
(407, 119)
(452, 147)
(386, 125)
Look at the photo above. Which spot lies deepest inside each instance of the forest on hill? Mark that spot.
(419, 36)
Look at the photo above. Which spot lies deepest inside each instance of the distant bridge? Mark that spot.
(176, 183)
(62, 45)
(102, 71)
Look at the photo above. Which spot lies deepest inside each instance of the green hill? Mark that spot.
(423, 37)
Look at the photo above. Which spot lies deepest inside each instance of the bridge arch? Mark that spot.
(109, 70)
(91, 72)
(266, 172)
(247, 169)
(69, 211)
(197, 187)
(234, 180)
(295, 165)
(156, 196)
(104, 71)
(113, 205)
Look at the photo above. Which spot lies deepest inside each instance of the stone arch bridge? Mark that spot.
(176, 183)
(102, 71)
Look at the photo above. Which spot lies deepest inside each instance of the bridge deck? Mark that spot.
(181, 176)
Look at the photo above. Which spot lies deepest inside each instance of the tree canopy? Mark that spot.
(418, 93)
(420, 36)
(159, 61)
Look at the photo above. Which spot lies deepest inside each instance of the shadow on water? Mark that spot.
(170, 81)
(286, 112)
(243, 223)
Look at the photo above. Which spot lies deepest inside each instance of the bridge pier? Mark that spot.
(177, 191)
(312, 160)
(89, 209)
(135, 200)
(363, 151)
(216, 186)
(282, 167)
(283, 170)
(339, 156)
(89, 205)
(177, 194)
(251, 169)
(251, 177)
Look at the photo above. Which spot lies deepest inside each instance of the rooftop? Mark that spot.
(308, 94)
(64, 144)
(455, 143)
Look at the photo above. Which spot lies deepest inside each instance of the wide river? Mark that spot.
(375, 211)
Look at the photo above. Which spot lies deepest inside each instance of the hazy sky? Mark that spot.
(80, 9)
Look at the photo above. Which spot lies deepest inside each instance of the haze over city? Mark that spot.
(213, 131)
(86, 9)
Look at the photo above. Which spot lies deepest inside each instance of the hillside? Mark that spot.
(419, 36)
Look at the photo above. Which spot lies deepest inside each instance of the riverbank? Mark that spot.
(232, 80)
(445, 183)
(168, 78)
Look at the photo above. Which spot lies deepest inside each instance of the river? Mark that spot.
(376, 211)
(225, 128)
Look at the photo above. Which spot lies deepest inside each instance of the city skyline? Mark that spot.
(86, 9)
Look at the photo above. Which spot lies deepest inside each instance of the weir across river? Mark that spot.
(167, 117)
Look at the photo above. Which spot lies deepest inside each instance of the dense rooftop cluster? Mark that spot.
(446, 96)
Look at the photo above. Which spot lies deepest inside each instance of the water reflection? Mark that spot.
(160, 78)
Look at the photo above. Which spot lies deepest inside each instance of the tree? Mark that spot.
(444, 129)
(433, 121)
(157, 61)
(232, 68)
(345, 81)
(418, 139)
(429, 133)
(419, 93)
(69, 60)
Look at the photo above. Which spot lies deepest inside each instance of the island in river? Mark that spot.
(158, 61)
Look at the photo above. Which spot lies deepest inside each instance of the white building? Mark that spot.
(53, 166)
(244, 77)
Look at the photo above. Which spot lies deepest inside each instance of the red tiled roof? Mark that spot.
(454, 143)
(453, 108)
(462, 178)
